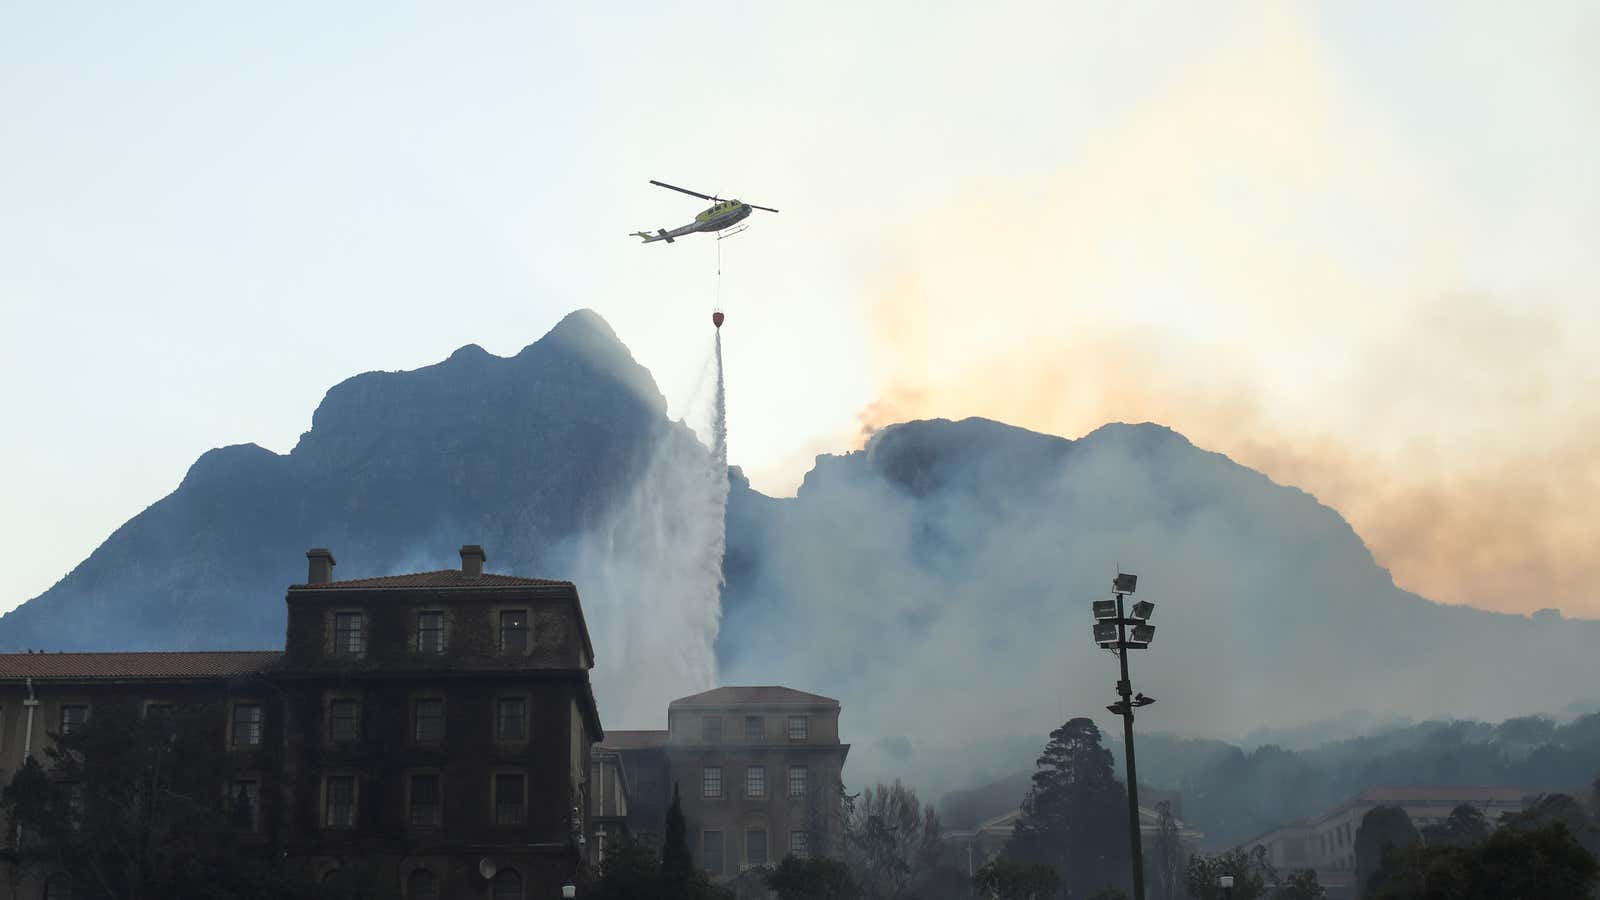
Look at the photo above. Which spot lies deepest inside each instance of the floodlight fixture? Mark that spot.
(1105, 631)
(1225, 881)
(1142, 700)
(569, 890)
(1143, 633)
(1143, 609)
(1105, 609)
(1119, 708)
(1125, 582)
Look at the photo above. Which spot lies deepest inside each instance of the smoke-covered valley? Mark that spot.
(937, 582)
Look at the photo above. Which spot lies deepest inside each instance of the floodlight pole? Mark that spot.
(1125, 689)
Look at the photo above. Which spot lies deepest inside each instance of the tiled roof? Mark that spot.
(444, 578)
(159, 664)
(633, 740)
(765, 694)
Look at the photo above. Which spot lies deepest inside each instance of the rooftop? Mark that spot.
(768, 695)
(444, 578)
(633, 740)
(154, 664)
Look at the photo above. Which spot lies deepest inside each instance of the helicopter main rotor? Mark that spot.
(713, 199)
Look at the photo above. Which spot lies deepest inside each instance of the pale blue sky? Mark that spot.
(210, 213)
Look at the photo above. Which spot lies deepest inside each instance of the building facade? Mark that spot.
(757, 769)
(433, 728)
(1327, 842)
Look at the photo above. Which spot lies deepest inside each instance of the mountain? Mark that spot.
(937, 581)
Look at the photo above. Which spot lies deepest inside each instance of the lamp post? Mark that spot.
(1226, 883)
(1112, 632)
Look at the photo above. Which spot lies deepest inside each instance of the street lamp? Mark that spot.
(569, 890)
(1226, 883)
(1118, 632)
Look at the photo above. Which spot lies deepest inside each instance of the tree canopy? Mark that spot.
(1075, 816)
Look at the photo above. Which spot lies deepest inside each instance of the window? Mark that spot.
(755, 847)
(508, 805)
(244, 804)
(511, 719)
(711, 729)
(422, 884)
(514, 631)
(711, 852)
(58, 887)
(246, 725)
(73, 717)
(799, 844)
(425, 801)
(344, 720)
(755, 728)
(755, 783)
(349, 639)
(72, 792)
(507, 885)
(428, 714)
(711, 783)
(797, 728)
(797, 781)
(341, 791)
(430, 639)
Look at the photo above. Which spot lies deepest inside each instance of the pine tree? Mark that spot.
(677, 865)
(1075, 817)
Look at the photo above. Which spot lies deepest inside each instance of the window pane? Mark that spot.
(348, 639)
(514, 631)
(430, 632)
(73, 717)
(711, 783)
(711, 852)
(797, 781)
(244, 799)
(344, 723)
(799, 844)
(755, 783)
(755, 846)
(341, 801)
(422, 885)
(511, 718)
(507, 885)
(246, 725)
(755, 728)
(508, 799)
(430, 720)
(797, 728)
(425, 800)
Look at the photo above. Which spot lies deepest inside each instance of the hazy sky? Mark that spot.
(1349, 244)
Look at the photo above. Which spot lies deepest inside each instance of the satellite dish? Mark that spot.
(486, 867)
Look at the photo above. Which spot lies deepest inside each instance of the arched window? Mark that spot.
(422, 885)
(508, 885)
(58, 887)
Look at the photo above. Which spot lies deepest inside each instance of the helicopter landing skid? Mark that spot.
(740, 229)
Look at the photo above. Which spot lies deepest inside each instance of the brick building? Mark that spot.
(434, 727)
(758, 770)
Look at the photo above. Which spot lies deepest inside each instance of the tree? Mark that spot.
(631, 871)
(1165, 857)
(1465, 827)
(1384, 832)
(1552, 809)
(137, 805)
(1250, 870)
(1005, 879)
(1538, 862)
(1075, 816)
(1301, 885)
(812, 879)
(890, 841)
(677, 864)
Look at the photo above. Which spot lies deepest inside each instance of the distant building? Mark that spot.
(758, 771)
(1327, 842)
(970, 849)
(436, 727)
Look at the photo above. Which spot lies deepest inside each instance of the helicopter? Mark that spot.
(725, 214)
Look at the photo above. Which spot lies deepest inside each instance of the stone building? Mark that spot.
(758, 770)
(435, 728)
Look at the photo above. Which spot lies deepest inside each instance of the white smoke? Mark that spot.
(650, 575)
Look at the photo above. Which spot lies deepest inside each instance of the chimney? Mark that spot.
(321, 569)
(472, 560)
